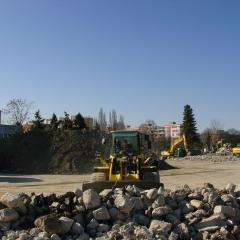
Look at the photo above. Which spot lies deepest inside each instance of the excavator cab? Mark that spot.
(128, 163)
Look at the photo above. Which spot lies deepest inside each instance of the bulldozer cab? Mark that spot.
(125, 143)
(129, 143)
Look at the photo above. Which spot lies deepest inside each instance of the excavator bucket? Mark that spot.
(101, 185)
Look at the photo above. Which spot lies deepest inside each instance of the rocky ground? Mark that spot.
(173, 172)
(129, 213)
(220, 156)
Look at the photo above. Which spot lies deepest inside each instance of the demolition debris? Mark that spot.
(126, 213)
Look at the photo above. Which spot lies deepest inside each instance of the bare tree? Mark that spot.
(216, 125)
(110, 121)
(102, 120)
(113, 120)
(149, 126)
(207, 139)
(19, 110)
(96, 125)
(216, 129)
(121, 124)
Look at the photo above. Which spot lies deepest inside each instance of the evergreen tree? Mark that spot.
(67, 123)
(189, 127)
(38, 120)
(79, 122)
(54, 122)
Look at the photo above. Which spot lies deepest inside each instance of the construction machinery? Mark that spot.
(236, 150)
(128, 163)
(220, 143)
(176, 143)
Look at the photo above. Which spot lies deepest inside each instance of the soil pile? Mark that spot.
(71, 151)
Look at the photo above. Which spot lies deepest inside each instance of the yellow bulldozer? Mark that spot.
(128, 163)
(181, 141)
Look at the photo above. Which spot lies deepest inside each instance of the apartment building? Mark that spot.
(173, 130)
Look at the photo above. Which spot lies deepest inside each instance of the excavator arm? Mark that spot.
(176, 143)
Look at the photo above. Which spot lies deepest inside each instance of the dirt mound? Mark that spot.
(163, 165)
(71, 151)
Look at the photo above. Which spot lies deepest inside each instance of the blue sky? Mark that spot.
(146, 59)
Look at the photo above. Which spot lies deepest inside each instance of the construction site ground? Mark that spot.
(174, 173)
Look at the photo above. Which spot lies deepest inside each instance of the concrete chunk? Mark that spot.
(213, 221)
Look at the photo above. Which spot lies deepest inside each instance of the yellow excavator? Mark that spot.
(176, 143)
(236, 150)
(128, 163)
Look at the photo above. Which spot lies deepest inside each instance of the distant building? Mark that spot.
(47, 121)
(173, 130)
(8, 130)
(72, 117)
(160, 131)
(153, 129)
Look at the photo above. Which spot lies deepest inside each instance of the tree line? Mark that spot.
(114, 121)
(66, 123)
(20, 111)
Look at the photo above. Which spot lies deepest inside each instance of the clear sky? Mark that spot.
(146, 59)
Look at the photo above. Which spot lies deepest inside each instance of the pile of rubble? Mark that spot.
(128, 213)
(224, 150)
(211, 157)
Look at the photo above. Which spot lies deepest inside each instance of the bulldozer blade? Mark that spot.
(101, 185)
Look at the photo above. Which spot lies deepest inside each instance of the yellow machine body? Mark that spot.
(127, 164)
(236, 150)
